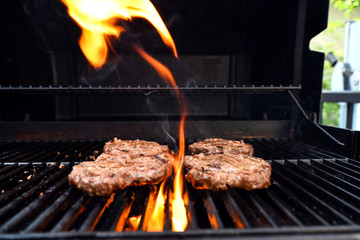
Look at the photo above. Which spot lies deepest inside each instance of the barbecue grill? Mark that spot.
(246, 72)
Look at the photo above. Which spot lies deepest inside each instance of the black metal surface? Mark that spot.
(313, 192)
(141, 129)
(146, 90)
(340, 96)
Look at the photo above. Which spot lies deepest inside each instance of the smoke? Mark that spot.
(107, 75)
(164, 123)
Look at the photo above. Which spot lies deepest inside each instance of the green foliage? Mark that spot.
(348, 6)
(332, 40)
(331, 114)
(327, 74)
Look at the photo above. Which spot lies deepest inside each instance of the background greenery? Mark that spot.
(332, 40)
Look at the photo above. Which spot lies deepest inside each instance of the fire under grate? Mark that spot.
(312, 192)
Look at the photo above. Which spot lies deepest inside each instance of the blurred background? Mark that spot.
(341, 44)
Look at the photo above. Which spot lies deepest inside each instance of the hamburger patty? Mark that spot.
(219, 145)
(134, 148)
(123, 164)
(220, 171)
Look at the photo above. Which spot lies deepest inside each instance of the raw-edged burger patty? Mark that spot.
(222, 171)
(219, 145)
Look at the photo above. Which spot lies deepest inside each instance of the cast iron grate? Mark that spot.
(313, 191)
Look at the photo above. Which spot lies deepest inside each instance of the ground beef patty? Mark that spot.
(220, 171)
(219, 145)
(123, 163)
(134, 148)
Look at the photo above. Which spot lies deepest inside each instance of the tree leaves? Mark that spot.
(347, 6)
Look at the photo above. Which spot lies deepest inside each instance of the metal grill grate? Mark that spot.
(313, 191)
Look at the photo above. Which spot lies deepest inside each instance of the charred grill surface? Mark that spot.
(312, 192)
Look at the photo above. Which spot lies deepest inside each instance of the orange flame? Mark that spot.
(97, 18)
(178, 203)
(156, 221)
(133, 223)
(106, 205)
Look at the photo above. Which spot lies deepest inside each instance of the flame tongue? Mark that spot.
(179, 219)
(156, 220)
(97, 20)
(178, 203)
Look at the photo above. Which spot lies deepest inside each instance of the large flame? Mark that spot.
(97, 18)
(156, 220)
(178, 203)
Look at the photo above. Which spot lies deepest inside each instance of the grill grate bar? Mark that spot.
(303, 152)
(337, 194)
(20, 218)
(68, 152)
(211, 209)
(60, 204)
(121, 209)
(15, 148)
(353, 162)
(78, 152)
(291, 151)
(43, 154)
(283, 207)
(234, 211)
(305, 191)
(35, 153)
(277, 146)
(337, 182)
(263, 209)
(313, 197)
(70, 216)
(327, 167)
(318, 152)
(14, 172)
(11, 194)
(145, 204)
(191, 213)
(348, 167)
(267, 153)
(245, 204)
(115, 90)
(311, 217)
(7, 168)
(94, 215)
(29, 195)
(52, 151)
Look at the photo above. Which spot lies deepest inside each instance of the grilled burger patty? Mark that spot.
(134, 148)
(123, 163)
(219, 145)
(220, 171)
